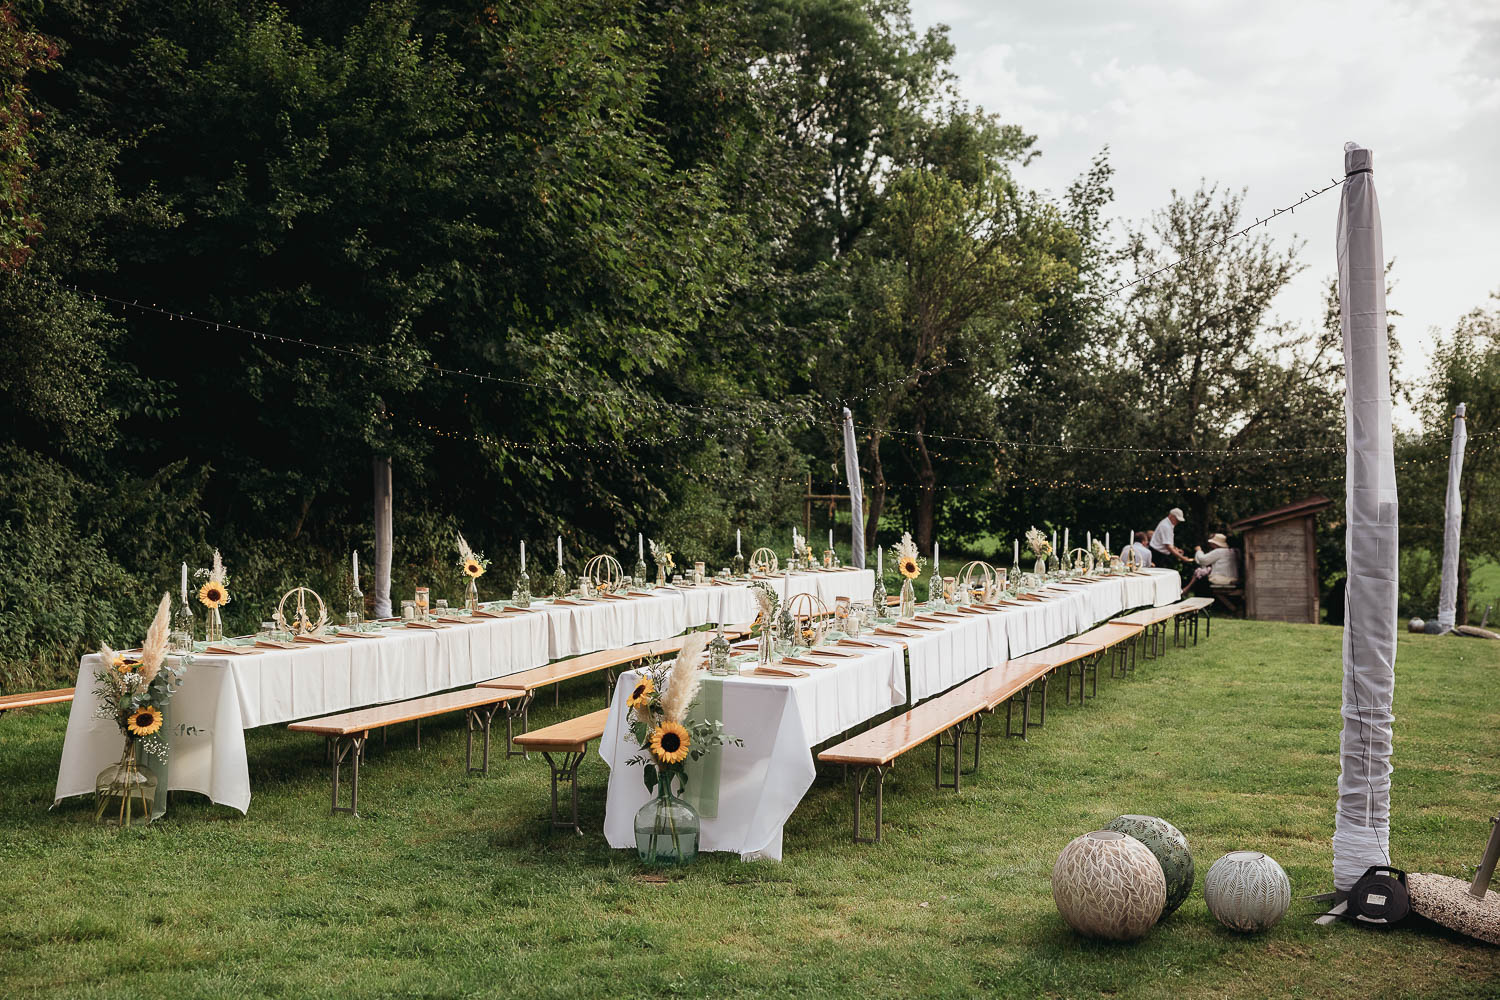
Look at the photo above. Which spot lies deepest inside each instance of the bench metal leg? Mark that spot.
(861, 774)
(976, 728)
(479, 719)
(349, 748)
(950, 738)
(517, 707)
(1093, 668)
(566, 769)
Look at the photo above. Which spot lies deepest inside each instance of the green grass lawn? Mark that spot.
(452, 886)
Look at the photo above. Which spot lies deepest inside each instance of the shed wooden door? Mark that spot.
(1282, 571)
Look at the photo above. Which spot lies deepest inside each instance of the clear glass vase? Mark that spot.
(639, 576)
(718, 655)
(737, 568)
(763, 647)
(908, 600)
(661, 575)
(124, 792)
(935, 589)
(213, 631)
(666, 829)
(1040, 569)
(559, 583)
(878, 597)
(521, 595)
(181, 637)
(471, 596)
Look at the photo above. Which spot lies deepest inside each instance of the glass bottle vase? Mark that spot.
(908, 599)
(763, 647)
(559, 583)
(471, 596)
(737, 568)
(521, 595)
(213, 630)
(935, 589)
(666, 829)
(124, 792)
(639, 576)
(878, 597)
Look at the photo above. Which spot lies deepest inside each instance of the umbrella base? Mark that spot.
(1446, 901)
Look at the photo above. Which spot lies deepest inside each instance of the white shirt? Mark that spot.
(1142, 554)
(1163, 538)
(1223, 565)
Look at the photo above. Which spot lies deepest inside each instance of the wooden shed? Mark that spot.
(1281, 562)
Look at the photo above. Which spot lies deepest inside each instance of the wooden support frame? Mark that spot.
(861, 775)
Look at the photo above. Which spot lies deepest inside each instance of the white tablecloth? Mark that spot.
(222, 696)
(779, 720)
(782, 720)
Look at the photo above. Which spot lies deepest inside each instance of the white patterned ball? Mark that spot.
(1247, 891)
(1109, 885)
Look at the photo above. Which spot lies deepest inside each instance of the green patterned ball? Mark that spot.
(1171, 849)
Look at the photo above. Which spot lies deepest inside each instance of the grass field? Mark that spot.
(454, 886)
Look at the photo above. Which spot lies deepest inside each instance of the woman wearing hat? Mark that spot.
(1220, 565)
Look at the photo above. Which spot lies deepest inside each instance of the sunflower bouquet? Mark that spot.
(472, 563)
(1100, 554)
(133, 692)
(663, 559)
(213, 595)
(907, 560)
(667, 737)
(1037, 544)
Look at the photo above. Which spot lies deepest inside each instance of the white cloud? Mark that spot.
(1263, 96)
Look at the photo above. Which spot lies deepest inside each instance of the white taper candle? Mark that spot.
(354, 567)
(737, 541)
(523, 556)
(184, 583)
(559, 551)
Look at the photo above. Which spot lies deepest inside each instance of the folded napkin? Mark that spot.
(798, 661)
(455, 619)
(510, 610)
(830, 652)
(429, 625)
(564, 602)
(359, 635)
(319, 640)
(485, 613)
(613, 597)
(276, 644)
(882, 630)
(859, 643)
(771, 670)
(640, 593)
(909, 623)
(226, 650)
(929, 618)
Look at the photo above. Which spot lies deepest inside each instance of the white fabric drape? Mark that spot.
(1362, 820)
(856, 493)
(1453, 520)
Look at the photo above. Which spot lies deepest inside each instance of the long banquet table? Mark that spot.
(781, 720)
(224, 695)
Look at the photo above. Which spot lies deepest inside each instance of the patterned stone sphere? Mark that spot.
(1109, 885)
(1247, 891)
(1171, 849)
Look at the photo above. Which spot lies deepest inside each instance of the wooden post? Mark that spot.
(383, 536)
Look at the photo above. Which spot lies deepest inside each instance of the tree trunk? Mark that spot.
(1461, 612)
(877, 492)
(928, 480)
(383, 536)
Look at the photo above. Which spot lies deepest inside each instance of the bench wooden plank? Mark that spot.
(1196, 603)
(1109, 635)
(592, 663)
(886, 742)
(365, 719)
(31, 699)
(573, 734)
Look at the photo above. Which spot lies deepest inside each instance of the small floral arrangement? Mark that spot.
(472, 563)
(215, 591)
(907, 560)
(1037, 544)
(768, 601)
(658, 704)
(661, 556)
(1100, 553)
(133, 692)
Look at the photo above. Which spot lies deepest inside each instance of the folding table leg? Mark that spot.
(517, 707)
(479, 719)
(862, 774)
(566, 769)
(950, 738)
(349, 748)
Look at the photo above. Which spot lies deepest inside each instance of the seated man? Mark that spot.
(1220, 565)
(1139, 548)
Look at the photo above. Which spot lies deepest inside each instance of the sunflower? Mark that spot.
(641, 696)
(908, 567)
(144, 721)
(125, 664)
(472, 567)
(213, 594)
(669, 743)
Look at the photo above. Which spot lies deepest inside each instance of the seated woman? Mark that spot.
(1220, 565)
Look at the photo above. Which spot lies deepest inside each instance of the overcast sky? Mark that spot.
(1262, 94)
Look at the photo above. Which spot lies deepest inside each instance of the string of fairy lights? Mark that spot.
(795, 408)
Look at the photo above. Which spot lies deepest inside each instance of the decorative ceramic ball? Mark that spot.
(1171, 849)
(1109, 885)
(1247, 891)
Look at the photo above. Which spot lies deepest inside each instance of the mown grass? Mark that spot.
(453, 886)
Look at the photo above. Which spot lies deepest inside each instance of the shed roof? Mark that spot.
(1302, 508)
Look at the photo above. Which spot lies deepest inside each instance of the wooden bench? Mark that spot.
(524, 684)
(32, 699)
(347, 732)
(1197, 610)
(570, 740)
(1116, 641)
(1153, 621)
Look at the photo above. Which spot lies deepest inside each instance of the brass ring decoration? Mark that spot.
(1080, 558)
(300, 624)
(812, 619)
(984, 587)
(764, 561)
(605, 575)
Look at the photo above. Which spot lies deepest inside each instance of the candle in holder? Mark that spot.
(523, 557)
(830, 538)
(184, 583)
(640, 546)
(559, 551)
(1067, 545)
(737, 542)
(935, 559)
(1017, 561)
(880, 561)
(1106, 543)
(1054, 539)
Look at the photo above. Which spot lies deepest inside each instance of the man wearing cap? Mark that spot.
(1220, 565)
(1163, 544)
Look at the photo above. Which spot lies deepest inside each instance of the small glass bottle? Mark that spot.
(908, 599)
(718, 654)
(559, 582)
(639, 576)
(521, 595)
(935, 588)
(355, 606)
(878, 597)
(737, 568)
(181, 639)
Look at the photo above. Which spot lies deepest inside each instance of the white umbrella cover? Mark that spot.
(1453, 521)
